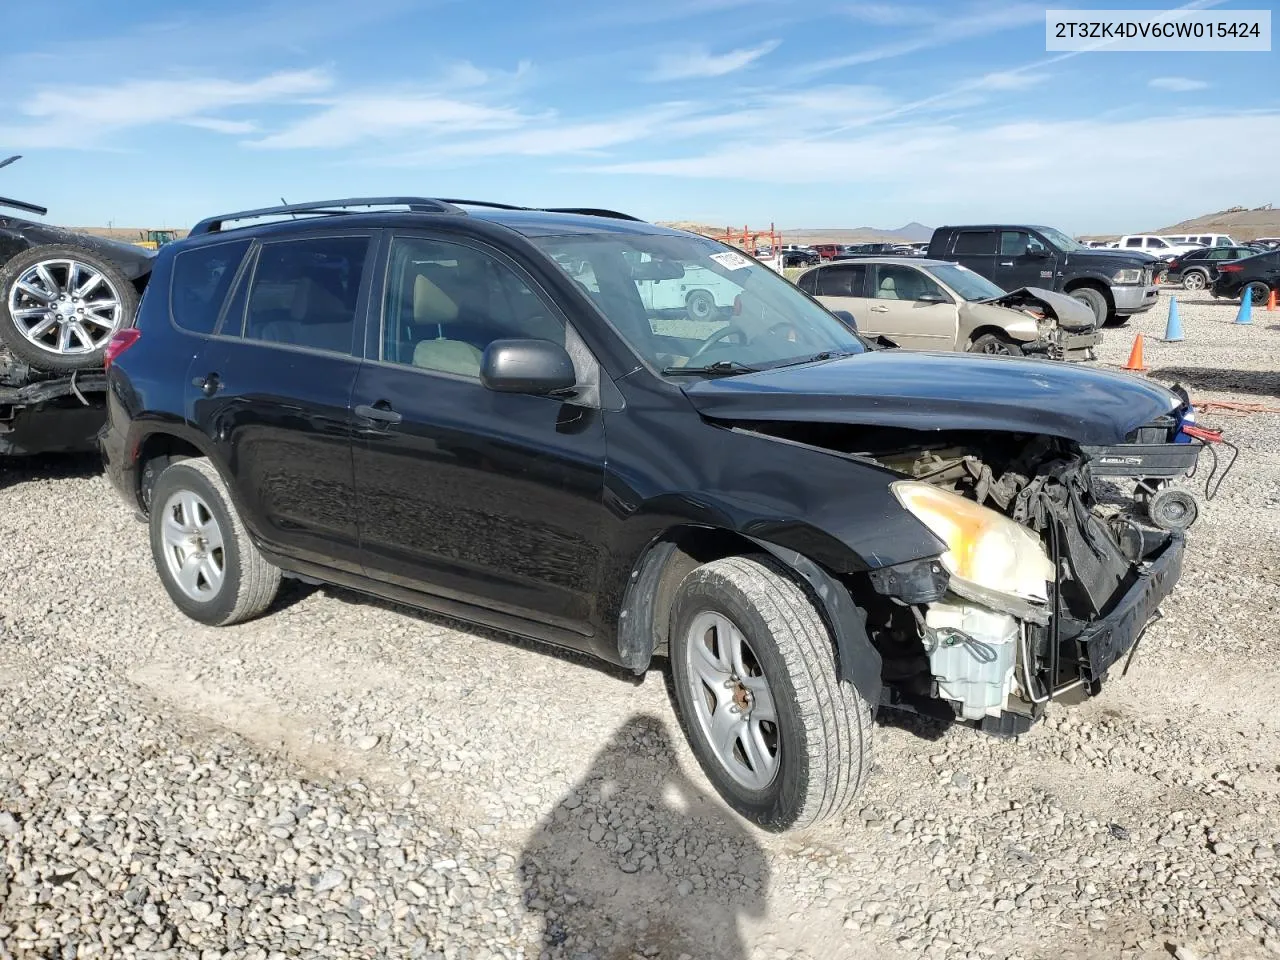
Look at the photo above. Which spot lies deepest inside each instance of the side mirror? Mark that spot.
(539, 368)
(1038, 253)
(932, 298)
(847, 318)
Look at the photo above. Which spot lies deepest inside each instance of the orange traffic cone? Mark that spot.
(1135, 356)
(1271, 300)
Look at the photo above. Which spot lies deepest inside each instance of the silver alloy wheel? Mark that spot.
(193, 548)
(1194, 280)
(65, 307)
(732, 701)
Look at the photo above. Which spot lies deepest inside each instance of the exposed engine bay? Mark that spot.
(1025, 606)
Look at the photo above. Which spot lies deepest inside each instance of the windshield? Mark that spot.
(689, 302)
(965, 282)
(1060, 239)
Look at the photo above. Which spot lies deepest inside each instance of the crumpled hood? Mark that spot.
(942, 391)
(1070, 313)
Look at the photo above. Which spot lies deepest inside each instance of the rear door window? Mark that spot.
(972, 242)
(201, 279)
(305, 293)
(843, 280)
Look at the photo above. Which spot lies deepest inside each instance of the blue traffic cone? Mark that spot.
(1173, 329)
(1246, 307)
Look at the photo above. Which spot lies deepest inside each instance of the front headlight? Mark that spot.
(984, 547)
(1127, 276)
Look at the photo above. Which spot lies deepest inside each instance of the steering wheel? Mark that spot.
(730, 330)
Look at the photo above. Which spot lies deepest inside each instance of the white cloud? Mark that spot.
(83, 116)
(697, 61)
(937, 28)
(1009, 80)
(139, 102)
(998, 171)
(232, 127)
(361, 118)
(1176, 84)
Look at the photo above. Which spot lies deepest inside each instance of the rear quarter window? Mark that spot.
(201, 279)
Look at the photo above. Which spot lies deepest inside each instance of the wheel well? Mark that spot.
(157, 452)
(1092, 285)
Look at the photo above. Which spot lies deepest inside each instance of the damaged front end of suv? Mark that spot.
(1048, 578)
(1043, 587)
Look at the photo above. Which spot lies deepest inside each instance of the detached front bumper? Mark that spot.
(1103, 642)
(1134, 298)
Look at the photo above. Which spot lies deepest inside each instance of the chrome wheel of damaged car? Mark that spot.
(193, 545)
(65, 307)
(995, 345)
(732, 700)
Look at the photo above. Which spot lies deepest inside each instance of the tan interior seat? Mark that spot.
(432, 307)
(888, 289)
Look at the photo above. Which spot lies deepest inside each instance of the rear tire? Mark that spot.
(1259, 291)
(1195, 280)
(1094, 300)
(206, 561)
(700, 305)
(810, 762)
(995, 345)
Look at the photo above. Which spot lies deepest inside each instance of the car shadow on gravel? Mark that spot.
(637, 860)
(75, 466)
(1263, 383)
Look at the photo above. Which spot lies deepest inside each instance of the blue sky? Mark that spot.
(158, 112)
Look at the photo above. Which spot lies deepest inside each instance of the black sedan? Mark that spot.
(1256, 276)
(1197, 269)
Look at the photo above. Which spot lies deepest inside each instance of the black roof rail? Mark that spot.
(328, 208)
(593, 212)
(586, 211)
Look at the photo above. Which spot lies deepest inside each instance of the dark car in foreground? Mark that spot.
(1199, 268)
(62, 296)
(1255, 277)
(468, 407)
(1116, 284)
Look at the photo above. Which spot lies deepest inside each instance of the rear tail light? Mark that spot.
(120, 341)
(1230, 268)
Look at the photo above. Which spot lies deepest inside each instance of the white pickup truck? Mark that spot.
(1162, 248)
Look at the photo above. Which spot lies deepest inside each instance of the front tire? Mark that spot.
(782, 739)
(202, 551)
(1094, 300)
(60, 305)
(995, 345)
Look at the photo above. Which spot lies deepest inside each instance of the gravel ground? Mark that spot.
(345, 778)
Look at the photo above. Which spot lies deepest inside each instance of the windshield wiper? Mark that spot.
(824, 355)
(721, 368)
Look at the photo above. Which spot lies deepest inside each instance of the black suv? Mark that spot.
(482, 410)
(1115, 284)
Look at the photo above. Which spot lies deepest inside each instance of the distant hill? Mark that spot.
(1242, 223)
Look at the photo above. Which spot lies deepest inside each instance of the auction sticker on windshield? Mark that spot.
(730, 260)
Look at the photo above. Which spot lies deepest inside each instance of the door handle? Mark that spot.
(879, 309)
(1006, 263)
(209, 384)
(379, 412)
